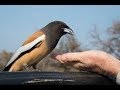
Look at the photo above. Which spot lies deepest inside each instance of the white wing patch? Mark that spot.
(25, 48)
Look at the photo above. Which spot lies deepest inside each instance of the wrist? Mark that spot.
(112, 68)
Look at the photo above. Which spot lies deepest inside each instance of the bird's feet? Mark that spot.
(28, 68)
(35, 67)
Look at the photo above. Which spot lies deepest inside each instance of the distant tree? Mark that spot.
(4, 58)
(110, 44)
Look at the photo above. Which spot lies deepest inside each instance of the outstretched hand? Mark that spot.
(93, 60)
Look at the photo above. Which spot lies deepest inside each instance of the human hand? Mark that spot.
(92, 60)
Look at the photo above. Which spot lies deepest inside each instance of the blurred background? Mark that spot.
(95, 26)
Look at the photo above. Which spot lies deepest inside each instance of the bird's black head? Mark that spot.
(58, 27)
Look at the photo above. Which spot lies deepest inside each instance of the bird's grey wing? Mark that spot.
(26, 48)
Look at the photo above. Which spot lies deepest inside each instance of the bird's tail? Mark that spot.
(8, 67)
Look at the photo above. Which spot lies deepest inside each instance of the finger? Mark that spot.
(72, 59)
(57, 57)
(67, 57)
(77, 65)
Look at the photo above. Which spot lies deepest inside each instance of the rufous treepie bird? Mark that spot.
(37, 46)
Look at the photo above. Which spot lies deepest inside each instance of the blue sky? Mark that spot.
(17, 22)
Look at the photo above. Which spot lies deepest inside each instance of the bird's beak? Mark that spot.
(68, 31)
